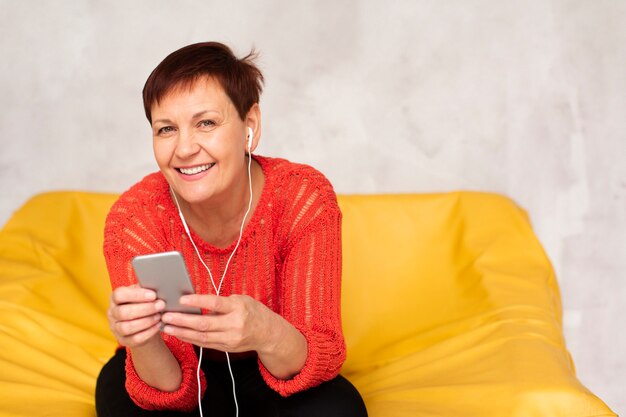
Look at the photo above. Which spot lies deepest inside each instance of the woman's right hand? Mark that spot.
(134, 315)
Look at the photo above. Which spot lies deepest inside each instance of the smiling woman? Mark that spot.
(200, 146)
(269, 229)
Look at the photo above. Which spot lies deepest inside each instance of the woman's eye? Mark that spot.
(207, 123)
(165, 130)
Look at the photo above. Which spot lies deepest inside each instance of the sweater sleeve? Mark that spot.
(311, 288)
(183, 399)
(131, 230)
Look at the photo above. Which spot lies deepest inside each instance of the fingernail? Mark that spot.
(159, 305)
(149, 295)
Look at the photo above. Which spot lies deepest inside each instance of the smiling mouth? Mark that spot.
(195, 170)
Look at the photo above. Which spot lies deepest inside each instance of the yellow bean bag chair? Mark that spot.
(450, 308)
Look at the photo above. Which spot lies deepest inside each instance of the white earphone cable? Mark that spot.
(218, 288)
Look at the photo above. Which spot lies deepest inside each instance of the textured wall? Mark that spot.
(523, 98)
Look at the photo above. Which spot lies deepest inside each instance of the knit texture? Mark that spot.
(289, 259)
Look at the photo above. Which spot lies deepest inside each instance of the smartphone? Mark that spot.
(166, 274)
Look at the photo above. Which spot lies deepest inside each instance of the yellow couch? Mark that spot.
(450, 308)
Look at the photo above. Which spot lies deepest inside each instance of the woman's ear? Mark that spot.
(253, 124)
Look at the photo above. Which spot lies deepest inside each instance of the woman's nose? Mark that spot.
(187, 144)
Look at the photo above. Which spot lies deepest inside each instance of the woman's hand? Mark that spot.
(134, 315)
(233, 324)
(135, 319)
(239, 324)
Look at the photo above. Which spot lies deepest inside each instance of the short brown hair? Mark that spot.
(240, 78)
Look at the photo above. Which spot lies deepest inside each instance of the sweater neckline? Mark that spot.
(252, 225)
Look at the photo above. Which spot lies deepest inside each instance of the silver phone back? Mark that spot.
(166, 274)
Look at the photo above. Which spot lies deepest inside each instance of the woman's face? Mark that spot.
(199, 141)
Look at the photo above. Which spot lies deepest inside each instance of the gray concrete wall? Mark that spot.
(523, 98)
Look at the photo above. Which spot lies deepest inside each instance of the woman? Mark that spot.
(261, 239)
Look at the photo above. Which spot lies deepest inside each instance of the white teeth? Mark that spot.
(195, 170)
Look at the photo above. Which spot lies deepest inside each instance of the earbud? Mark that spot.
(250, 139)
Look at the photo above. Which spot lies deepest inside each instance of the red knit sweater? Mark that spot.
(289, 259)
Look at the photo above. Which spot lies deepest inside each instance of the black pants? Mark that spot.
(337, 397)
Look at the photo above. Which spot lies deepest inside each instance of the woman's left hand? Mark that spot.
(233, 324)
(240, 323)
